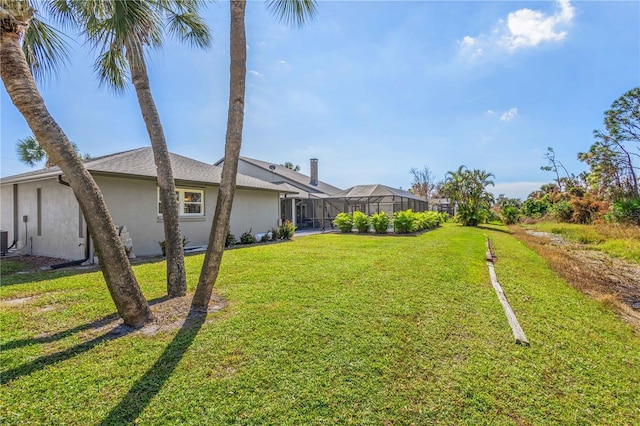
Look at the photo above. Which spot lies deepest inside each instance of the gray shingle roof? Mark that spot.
(296, 179)
(140, 163)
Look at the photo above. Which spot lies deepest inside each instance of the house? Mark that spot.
(315, 203)
(40, 213)
(302, 200)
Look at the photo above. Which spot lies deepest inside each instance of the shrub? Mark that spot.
(535, 207)
(586, 210)
(247, 238)
(344, 222)
(286, 231)
(627, 211)
(510, 214)
(380, 222)
(274, 234)
(265, 237)
(361, 221)
(231, 239)
(404, 222)
(163, 245)
(561, 211)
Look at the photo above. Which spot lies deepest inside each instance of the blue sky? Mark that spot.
(373, 89)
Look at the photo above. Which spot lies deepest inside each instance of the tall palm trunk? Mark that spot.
(235, 119)
(117, 271)
(176, 276)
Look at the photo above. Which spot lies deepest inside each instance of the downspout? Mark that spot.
(87, 242)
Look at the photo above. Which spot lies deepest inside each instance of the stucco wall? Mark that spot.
(255, 210)
(132, 203)
(59, 219)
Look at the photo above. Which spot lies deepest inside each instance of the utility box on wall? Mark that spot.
(4, 242)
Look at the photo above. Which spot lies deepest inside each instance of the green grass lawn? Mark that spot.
(329, 329)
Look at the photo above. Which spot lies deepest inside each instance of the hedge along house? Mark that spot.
(302, 199)
(41, 215)
(371, 199)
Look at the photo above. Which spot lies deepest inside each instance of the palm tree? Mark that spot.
(296, 11)
(468, 190)
(15, 25)
(30, 152)
(120, 30)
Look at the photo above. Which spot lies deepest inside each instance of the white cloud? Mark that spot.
(256, 73)
(282, 62)
(521, 29)
(528, 28)
(509, 115)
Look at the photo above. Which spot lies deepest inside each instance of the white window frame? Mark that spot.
(180, 192)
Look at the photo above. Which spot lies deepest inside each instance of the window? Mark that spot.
(190, 202)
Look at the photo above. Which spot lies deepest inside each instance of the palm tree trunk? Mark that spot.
(117, 271)
(235, 120)
(176, 276)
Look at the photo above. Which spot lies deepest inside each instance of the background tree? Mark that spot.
(289, 165)
(424, 183)
(554, 165)
(15, 19)
(296, 11)
(468, 190)
(614, 158)
(119, 31)
(30, 152)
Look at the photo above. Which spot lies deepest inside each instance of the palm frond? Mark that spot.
(29, 151)
(293, 12)
(45, 48)
(112, 69)
(190, 28)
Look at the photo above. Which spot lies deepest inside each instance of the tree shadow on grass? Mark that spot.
(148, 386)
(97, 324)
(46, 360)
(495, 229)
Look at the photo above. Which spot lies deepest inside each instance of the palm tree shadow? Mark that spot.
(148, 386)
(46, 360)
(102, 322)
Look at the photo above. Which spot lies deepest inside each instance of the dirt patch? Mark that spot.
(613, 281)
(35, 263)
(170, 314)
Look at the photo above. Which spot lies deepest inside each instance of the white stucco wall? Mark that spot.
(255, 210)
(60, 219)
(132, 203)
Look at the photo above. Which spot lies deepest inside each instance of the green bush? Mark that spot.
(286, 231)
(535, 207)
(231, 239)
(627, 211)
(561, 211)
(163, 245)
(247, 238)
(274, 234)
(344, 222)
(510, 214)
(380, 222)
(404, 222)
(361, 221)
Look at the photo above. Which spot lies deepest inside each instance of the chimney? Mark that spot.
(314, 172)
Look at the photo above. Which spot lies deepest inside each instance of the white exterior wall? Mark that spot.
(132, 203)
(59, 219)
(255, 210)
